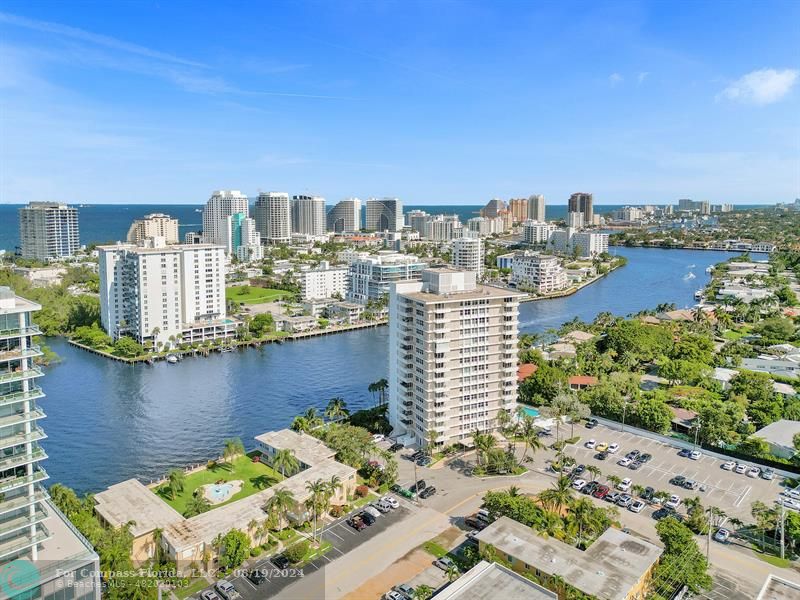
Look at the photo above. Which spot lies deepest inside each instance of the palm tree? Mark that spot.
(158, 535)
(513, 491)
(558, 496)
(614, 480)
(452, 573)
(285, 460)
(333, 485)
(252, 527)
(312, 416)
(300, 424)
(583, 516)
(233, 447)
(177, 479)
(483, 443)
(423, 592)
(594, 471)
(530, 436)
(318, 490)
(196, 505)
(432, 435)
(280, 503)
(336, 409)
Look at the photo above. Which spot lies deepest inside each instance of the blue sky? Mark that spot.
(435, 102)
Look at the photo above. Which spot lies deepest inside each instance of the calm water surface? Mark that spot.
(108, 421)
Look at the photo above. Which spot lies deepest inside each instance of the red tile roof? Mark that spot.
(582, 380)
(525, 370)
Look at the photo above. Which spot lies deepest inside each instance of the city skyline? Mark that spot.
(633, 102)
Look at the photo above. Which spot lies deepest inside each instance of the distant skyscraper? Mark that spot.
(468, 253)
(536, 208)
(273, 216)
(48, 230)
(519, 209)
(494, 208)
(308, 215)
(581, 202)
(154, 225)
(345, 217)
(384, 214)
(221, 205)
(242, 240)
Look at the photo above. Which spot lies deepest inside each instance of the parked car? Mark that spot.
(790, 503)
(390, 501)
(418, 487)
(684, 452)
(483, 515)
(647, 494)
(633, 454)
(591, 423)
(427, 492)
(768, 474)
(613, 448)
(673, 501)
(601, 447)
(371, 510)
(367, 518)
(591, 444)
(728, 465)
(695, 455)
(625, 484)
(424, 461)
(579, 484)
(378, 437)
(406, 590)
(663, 513)
(677, 480)
(256, 576)
(722, 535)
(393, 595)
(612, 497)
(444, 563)
(209, 595)
(280, 561)
(225, 589)
(578, 470)
(601, 491)
(624, 462)
(637, 506)
(475, 523)
(624, 501)
(690, 484)
(740, 468)
(589, 488)
(601, 455)
(753, 472)
(635, 465)
(356, 523)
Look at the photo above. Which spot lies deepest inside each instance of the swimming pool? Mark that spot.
(531, 411)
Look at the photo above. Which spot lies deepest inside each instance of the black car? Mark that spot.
(635, 465)
(418, 487)
(427, 492)
(684, 453)
(647, 494)
(677, 480)
(643, 458)
(256, 576)
(367, 518)
(663, 513)
(578, 470)
(280, 561)
(590, 487)
(601, 455)
(395, 447)
(591, 423)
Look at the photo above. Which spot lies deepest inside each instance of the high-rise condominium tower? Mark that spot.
(154, 225)
(48, 230)
(468, 253)
(345, 217)
(452, 356)
(384, 214)
(37, 543)
(221, 205)
(581, 202)
(273, 216)
(536, 208)
(308, 215)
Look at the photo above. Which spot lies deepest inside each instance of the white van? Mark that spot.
(483, 515)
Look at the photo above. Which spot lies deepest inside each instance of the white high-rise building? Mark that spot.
(384, 214)
(221, 205)
(345, 217)
(323, 282)
(536, 232)
(154, 225)
(154, 292)
(452, 356)
(415, 219)
(583, 243)
(273, 216)
(480, 225)
(371, 274)
(246, 238)
(469, 254)
(48, 230)
(541, 273)
(441, 228)
(50, 556)
(536, 208)
(576, 220)
(308, 215)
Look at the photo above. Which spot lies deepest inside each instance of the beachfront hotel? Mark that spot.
(452, 356)
(34, 535)
(164, 294)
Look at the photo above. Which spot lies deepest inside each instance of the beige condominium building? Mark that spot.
(452, 356)
(154, 225)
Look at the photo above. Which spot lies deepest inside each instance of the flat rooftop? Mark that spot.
(490, 581)
(131, 500)
(608, 569)
(66, 550)
(306, 448)
(777, 588)
(480, 291)
(10, 303)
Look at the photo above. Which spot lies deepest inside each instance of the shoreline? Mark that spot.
(573, 290)
(648, 247)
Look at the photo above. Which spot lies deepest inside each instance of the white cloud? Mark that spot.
(760, 87)
(615, 78)
(642, 76)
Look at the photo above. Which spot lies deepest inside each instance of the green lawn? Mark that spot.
(187, 590)
(431, 547)
(253, 295)
(254, 475)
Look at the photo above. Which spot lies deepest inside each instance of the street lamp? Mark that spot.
(624, 410)
(696, 432)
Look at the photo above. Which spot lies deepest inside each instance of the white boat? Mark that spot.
(689, 276)
(691, 266)
(698, 295)
(172, 359)
(709, 269)
(226, 349)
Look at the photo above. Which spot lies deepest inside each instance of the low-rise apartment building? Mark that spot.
(371, 275)
(325, 281)
(541, 273)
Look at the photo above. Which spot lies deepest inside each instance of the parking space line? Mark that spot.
(334, 534)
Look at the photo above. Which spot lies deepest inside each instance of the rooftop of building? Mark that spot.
(160, 249)
(476, 292)
(525, 370)
(306, 448)
(66, 550)
(11, 303)
(582, 380)
(608, 569)
(780, 433)
(487, 581)
(131, 500)
(778, 588)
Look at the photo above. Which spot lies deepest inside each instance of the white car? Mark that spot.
(378, 437)
(637, 506)
(625, 484)
(613, 448)
(728, 465)
(392, 595)
(624, 462)
(373, 511)
(753, 472)
(591, 444)
(390, 501)
(740, 468)
(695, 455)
(673, 501)
(579, 484)
(789, 503)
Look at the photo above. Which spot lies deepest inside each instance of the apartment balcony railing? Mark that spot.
(20, 375)
(408, 403)
(13, 482)
(22, 521)
(32, 394)
(19, 332)
(22, 417)
(22, 501)
(22, 458)
(17, 544)
(10, 441)
(18, 353)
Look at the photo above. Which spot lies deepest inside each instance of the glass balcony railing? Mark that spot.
(15, 439)
(7, 506)
(22, 458)
(20, 375)
(20, 396)
(18, 353)
(20, 331)
(20, 417)
(13, 482)
(24, 541)
(22, 521)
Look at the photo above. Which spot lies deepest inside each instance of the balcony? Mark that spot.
(13, 482)
(32, 394)
(17, 544)
(22, 501)
(22, 458)
(19, 332)
(405, 421)
(21, 438)
(18, 353)
(20, 375)
(22, 417)
(23, 521)
(406, 403)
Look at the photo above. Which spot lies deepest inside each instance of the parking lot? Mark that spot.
(727, 490)
(342, 537)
